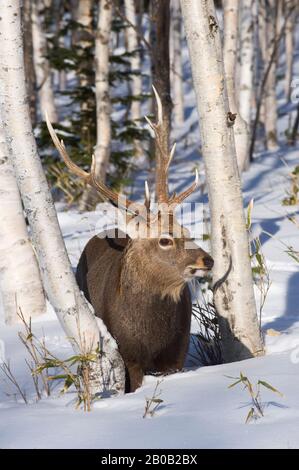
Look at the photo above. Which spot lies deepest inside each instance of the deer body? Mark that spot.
(152, 332)
(137, 283)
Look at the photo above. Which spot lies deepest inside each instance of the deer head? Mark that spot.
(161, 250)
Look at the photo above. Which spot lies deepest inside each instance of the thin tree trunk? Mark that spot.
(270, 88)
(75, 315)
(83, 16)
(103, 146)
(84, 38)
(135, 59)
(20, 282)
(234, 298)
(161, 69)
(246, 68)
(230, 47)
(28, 58)
(289, 49)
(256, 55)
(41, 64)
(262, 37)
(136, 80)
(176, 63)
(139, 7)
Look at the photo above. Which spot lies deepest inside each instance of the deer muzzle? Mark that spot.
(201, 266)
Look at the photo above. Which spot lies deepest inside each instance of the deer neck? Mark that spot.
(140, 274)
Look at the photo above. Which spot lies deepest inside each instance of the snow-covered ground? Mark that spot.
(198, 409)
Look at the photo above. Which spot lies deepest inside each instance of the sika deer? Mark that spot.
(138, 284)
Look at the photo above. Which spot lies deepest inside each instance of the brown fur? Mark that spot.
(138, 286)
(140, 292)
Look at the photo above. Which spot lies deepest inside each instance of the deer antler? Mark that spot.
(164, 160)
(90, 178)
(178, 199)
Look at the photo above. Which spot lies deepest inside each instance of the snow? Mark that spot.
(198, 409)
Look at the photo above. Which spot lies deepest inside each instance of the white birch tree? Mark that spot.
(270, 117)
(135, 65)
(74, 313)
(262, 43)
(234, 296)
(230, 46)
(84, 15)
(289, 47)
(246, 68)
(20, 282)
(133, 46)
(103, 104)
(84, 38)
(175, 50)
(41, 63)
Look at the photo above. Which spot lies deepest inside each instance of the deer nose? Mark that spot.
(208, 262)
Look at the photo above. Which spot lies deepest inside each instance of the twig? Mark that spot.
(264, 81)
(6, 369)
(136, 29)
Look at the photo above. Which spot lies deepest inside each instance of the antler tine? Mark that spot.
(159, 107)
(90, 178)
(172, 151)
(147, 195)
(115, 198)
(178, 199)
(59, 144)
(162, 154)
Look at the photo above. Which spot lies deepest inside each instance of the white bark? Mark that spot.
(103, 104)
(20, 281)
(230, 46)
(234, 299)
(41, 64)
(84, 17)
(136, 81)
(256, 58)
(103, 147)
(84, 14)
(262, 39)
(246, 67)
(75, 315)
(289, 49)
(270, 88)
(176, 72)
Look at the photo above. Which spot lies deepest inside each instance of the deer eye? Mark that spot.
(166, 242)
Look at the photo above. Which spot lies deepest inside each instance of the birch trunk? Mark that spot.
(246, 69)
(41, 64)
(136, 82)
(20, 281)
(289, 49)
(230, 46)
(270, 88)
(256, 56)
(84, 38)
(103, 105)
(75, 315)
(176, 78)
(234, 299)
(262, 38)
(28, 58)
(84, 16)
